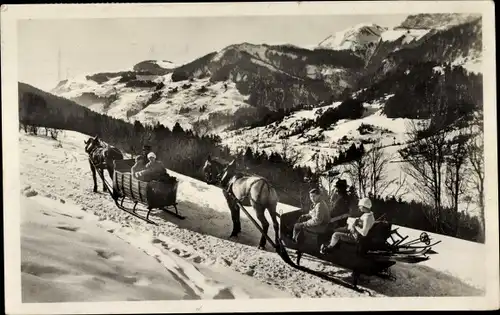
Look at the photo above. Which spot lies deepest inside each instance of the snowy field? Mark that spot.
(193, 256)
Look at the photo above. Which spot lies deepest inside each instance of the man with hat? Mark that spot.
(145, 150)
(341, 202)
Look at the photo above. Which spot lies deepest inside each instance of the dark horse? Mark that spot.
(102, 156)
(236, 186)
(212, 170)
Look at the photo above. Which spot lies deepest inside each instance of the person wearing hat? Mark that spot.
(356, 227)
(145, 150)
(341, 201)
(154, 169)
(318, 217)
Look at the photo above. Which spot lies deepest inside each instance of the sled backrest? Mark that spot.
(124, 166)
(377, 236)
(380, 231)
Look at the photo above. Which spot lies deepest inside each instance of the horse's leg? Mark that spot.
(235, 213)
(272, 212)
(265, 225)
(110, 172)
(92, 168)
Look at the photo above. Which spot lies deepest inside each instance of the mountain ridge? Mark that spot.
(265, 78)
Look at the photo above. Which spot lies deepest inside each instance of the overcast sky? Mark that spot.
(96, 45)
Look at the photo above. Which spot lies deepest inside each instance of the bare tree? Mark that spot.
(358, 172)
(377, 161)
(401, 189)
(455, 162)
(425, 161)
(475, 157)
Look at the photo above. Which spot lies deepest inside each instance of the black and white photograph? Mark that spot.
(302, 156)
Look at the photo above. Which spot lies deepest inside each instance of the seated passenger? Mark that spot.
(139, 165)
(341, 201)
(318, 217)
(356, 227)
(145, 150)
(155, 169)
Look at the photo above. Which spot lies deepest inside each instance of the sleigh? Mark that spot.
(154, 194)
(372, 255)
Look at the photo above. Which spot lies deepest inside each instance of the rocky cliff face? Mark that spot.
(458, 45)
(437, 21)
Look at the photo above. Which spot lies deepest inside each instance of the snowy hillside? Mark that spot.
(103, 261)
(184, 102)
(196, 249)
(298, 136)
(308, 141)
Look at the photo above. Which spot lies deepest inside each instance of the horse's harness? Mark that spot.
(234, 178)
(101, 147)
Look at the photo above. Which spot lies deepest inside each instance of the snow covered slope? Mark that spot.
(308, 140)
(203, 238)
(354, 38)
(68, 255)
(184, 102)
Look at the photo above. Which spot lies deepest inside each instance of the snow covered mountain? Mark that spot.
(437, 20)
(358, 37)
(245, 84)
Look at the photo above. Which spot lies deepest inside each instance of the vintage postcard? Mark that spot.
(249, 157)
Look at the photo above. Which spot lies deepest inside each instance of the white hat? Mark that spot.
(151, 154)
(365, 202)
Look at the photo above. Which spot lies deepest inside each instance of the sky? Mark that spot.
(98, 45)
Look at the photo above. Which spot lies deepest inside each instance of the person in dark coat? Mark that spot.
(145, 150)
(343, 203)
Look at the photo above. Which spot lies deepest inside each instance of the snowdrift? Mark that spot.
(67, 255)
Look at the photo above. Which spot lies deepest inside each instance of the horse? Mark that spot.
(101, 157)
(211, 170)
(261, 194)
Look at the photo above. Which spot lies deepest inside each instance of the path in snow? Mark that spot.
(208, 225)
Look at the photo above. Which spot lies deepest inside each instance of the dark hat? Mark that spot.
(146, 147)
(341, 183)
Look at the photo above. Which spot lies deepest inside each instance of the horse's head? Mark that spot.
(211, 170)
(91, 144)
(227, 173)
